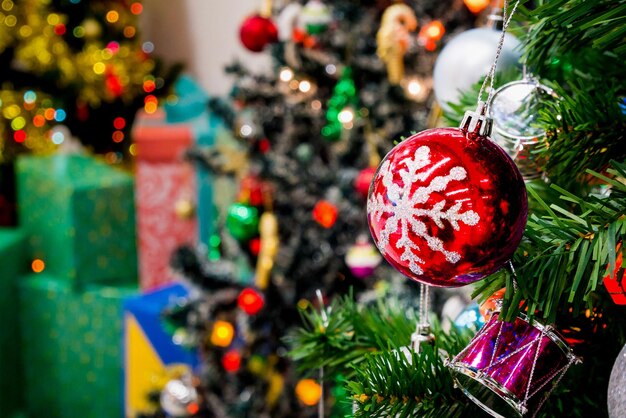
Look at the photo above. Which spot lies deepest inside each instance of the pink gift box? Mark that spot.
(164, 196)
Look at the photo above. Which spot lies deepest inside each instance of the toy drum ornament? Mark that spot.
(510, 368)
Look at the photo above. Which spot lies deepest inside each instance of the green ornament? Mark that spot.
(342, 401)
(242, 221)
(344, 96)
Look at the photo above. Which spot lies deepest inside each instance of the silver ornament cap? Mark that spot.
(177, 396)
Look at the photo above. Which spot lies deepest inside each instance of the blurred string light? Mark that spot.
(286, 74)
(22, 121)
(231, 361)
(119, 123)
(417, 88)
(136, 8)
(147, 47)
(151, 103)
(308, 391)
(112, 16)
(430, 34)
(305, 86)
(476, 6)
(38, 265)
(103, 73)
(222, 334)
(118, 136)
(44, 48)
(57, 137)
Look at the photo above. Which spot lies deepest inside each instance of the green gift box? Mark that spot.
(79, 216)
(13, 265)
(72, 348)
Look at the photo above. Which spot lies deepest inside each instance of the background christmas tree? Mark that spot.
(568, 268)
(71, 68)
(308, 137)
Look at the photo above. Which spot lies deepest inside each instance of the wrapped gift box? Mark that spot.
(13, 265)
(71, 348)
(191, 109)
(165, 195)
(151, 356)
(79, 216)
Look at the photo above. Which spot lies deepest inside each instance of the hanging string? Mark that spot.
(492, 71)
(422, 331)
(514, 275)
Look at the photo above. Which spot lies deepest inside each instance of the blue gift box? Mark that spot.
(151, 356)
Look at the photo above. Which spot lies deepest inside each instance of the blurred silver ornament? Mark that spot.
(179, 398)
(468, 58)
(247, 125)
(514, 109)
(617, 387)
(286, 21)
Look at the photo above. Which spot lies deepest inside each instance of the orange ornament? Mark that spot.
(325, 213)
(308, 391)
(490, 305)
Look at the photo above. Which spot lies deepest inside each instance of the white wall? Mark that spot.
(203, 34)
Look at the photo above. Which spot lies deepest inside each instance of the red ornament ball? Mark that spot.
(250, 301)
(257, 32)
(447, 208)
(251, 190)
(363, 181)
(255, 246)
(231, 361)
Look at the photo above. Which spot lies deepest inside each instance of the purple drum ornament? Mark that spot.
(510, 368)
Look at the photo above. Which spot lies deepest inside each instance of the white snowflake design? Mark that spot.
(405, 210)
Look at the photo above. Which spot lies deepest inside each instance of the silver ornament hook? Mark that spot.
(492, 71)
(477, 122)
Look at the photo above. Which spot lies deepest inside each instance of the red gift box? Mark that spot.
(165, 195)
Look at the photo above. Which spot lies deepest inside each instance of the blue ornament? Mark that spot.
(470, 318)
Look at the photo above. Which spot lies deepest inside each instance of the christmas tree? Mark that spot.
(71, 68)
(350, 79)
(562, 122)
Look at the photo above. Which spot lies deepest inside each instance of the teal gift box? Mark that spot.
(191, 107)
(13, 265)
(79, 215)
(72, 355)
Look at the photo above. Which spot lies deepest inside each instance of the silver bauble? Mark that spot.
(286, 21)
(176, 397)
(467, 58)
(617, 387)
(514, 110)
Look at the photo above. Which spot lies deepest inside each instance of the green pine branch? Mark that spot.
(585, 130)
(347, 334)
(566, 251)
(560, 26)
(364, 343)
(395, 384)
